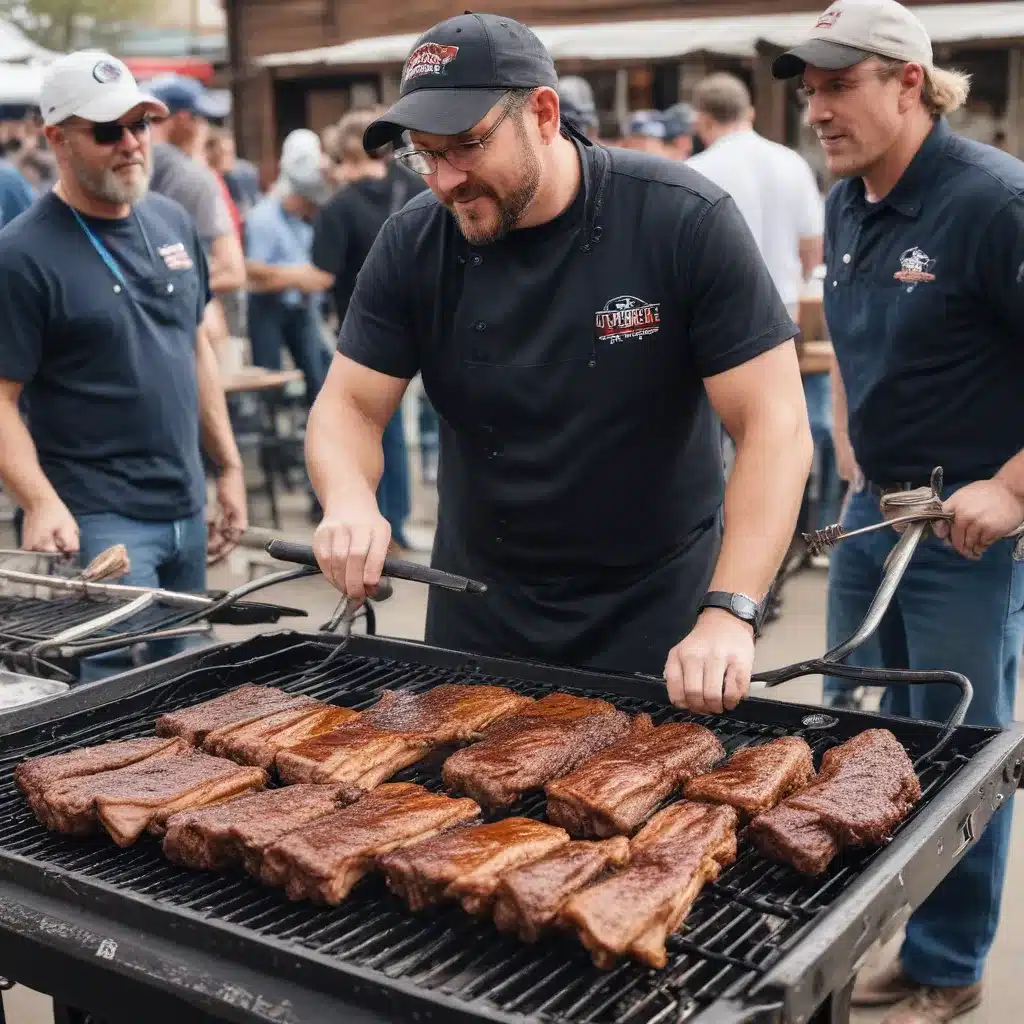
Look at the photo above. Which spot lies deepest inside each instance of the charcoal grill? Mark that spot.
(127, 934)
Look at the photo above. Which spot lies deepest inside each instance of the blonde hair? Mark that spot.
(944, 90)
(348, 134)
(723, 97)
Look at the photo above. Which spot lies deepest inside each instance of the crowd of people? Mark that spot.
(596, 326)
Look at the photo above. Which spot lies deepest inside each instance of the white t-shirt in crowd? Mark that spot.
(775, 190)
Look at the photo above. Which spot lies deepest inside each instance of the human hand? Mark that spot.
(846, 462)
(351, 544)
(49, 526)
(983, 513)
(709, 670)
(231, 518)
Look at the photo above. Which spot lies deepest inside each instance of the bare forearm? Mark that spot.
(227, 265)
(218, 438)
(1012, 475)
(19, 463)
(303, 276)
(762, 502)
(840, 425)
(344, 453)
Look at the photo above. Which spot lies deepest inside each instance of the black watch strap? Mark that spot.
(744, 608)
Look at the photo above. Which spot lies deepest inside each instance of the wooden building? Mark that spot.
(303, 63)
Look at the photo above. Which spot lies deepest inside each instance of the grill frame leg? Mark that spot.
(837, 1008)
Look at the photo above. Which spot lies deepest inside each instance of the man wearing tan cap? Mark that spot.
(924, 297)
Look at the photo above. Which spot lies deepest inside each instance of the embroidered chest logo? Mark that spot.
(916, 268)
(176, 256)
(628, 318)
(828, 19)
(428, 59)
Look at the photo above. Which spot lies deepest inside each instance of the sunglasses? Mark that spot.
(110, 133)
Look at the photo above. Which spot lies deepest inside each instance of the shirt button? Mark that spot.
(835, 284)
(462, 259)
(479, 326)
(846, 258)
(170, 288)
(477, 260)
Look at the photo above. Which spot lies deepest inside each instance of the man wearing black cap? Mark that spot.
(924, 297)
(577, 315)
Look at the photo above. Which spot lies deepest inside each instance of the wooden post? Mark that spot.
(692, 68)
(770, 97)
(1015, 101)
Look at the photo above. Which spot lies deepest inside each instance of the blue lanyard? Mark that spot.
(102, 250)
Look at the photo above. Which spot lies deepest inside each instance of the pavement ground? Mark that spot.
(799, 634)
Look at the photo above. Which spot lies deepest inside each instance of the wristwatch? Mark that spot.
(744, 608)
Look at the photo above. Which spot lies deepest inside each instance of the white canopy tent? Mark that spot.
(21, 66)
(665, 39)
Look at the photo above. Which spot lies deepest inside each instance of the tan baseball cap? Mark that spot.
(853, 30)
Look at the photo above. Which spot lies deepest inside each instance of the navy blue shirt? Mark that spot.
(16, 194)
(924, 300)
(111, 390)
(567, 361)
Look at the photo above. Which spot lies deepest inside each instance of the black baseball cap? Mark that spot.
(457, 71)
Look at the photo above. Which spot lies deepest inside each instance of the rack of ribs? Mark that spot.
(399, 730)
(465, 864)
(237, 832)
(632, 913)
(529, 898)
(244, 704)
(129, 801)
(616, 791)
(322, 861)
(865, 788)
(38, 774)
(522, 753)
(756, 778)
(258, 743)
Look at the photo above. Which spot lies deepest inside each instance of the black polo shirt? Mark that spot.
(109, 370)
(567, 361)
(924, 300)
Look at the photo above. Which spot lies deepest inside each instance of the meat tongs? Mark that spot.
(394, 568)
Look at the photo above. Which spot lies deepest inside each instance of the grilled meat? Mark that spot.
(465, 864)
(528, 898)
(633, 912)
(324, 860)
(756, 778)
(259, 742)
(865, 788)
(396, 732)
(38, 774)
(236, 707)
(617, 790)
(522, 753)
(238, 831)
(128, 801)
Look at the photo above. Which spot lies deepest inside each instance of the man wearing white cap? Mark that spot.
(104, 288)
(924, 296)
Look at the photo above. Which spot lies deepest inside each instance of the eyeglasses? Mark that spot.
(110, 133)
(463, 156)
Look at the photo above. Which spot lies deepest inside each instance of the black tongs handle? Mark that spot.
(395, 568)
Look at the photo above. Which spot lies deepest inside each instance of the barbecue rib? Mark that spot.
(617, 790)
(396, 732)
(465, 863)
(238, 831)
(528, 899)
(324, 860)
(243, 704)
(865, 788)
(259, 742)
(756, 778)
(521, 753)
(128, 801)
(632, 913)
(36, 775)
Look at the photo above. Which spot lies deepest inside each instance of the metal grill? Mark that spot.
(739, 928)
(32, 618)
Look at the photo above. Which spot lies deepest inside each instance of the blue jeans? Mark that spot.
(273, 326)
(818, 394)
(170, 555)
(393, 496)
(948, 613)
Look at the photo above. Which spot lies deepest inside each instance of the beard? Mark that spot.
(109, 186)
(480, 229)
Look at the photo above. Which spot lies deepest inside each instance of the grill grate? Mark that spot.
(738, 929)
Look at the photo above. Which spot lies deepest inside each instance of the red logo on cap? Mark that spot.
(428, 59)
(828, 19)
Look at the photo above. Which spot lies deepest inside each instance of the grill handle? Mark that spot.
(881, 677)
(395, 568)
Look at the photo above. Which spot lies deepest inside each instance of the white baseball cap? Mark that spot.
(92, 85)
(302, 165)
(853, 30)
